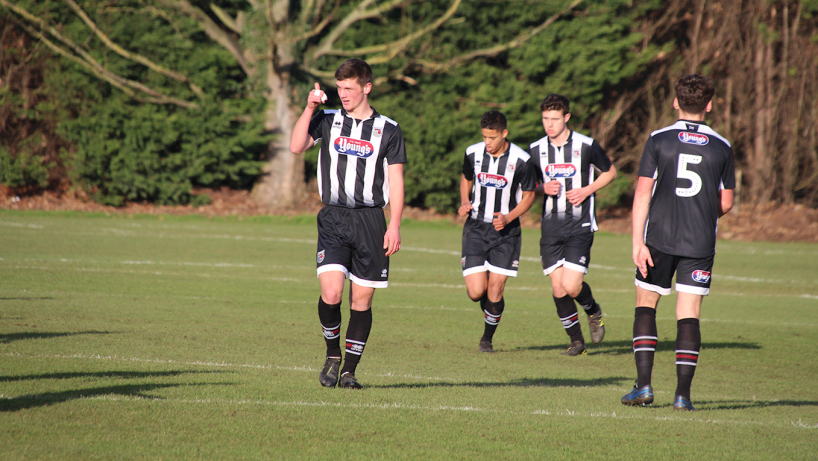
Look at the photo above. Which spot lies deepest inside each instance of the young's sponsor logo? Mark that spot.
(560, 170)
(354, 147)
(693, 138)
(492, 180)
(701, 276)
(320, 257)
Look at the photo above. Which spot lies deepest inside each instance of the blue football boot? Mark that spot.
(639, 396)
(682, 404)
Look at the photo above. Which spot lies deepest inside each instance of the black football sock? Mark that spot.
(360, 323)
(644, 343)
(586, 299)
(688, 343)
(567, 311)
(492, 314)
(330, 317)
(483, 301)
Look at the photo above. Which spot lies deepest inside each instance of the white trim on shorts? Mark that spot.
(701, 291)
(367, 283)
(475, 270)
(556, 266)
(500, 270)
(334, 268)
(575, 267)
(654, 288)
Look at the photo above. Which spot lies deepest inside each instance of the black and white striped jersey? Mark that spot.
(572, 164)
(352, 163)
(690, 163)
(499, 182)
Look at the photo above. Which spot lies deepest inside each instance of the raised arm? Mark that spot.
(301, 140)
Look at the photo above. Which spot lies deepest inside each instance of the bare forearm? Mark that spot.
(523, 206)
(396, 194)
(603, 179)
(301, 139)
(641, 205)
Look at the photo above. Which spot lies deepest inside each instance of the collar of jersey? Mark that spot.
(375, 114)
(567, 140)
(697, 122)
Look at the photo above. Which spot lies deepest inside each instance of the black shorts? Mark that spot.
(351, 241)
(486, 249)
(572, 251)
(692, 274)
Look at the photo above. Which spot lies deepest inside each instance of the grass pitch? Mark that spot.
(189, 338)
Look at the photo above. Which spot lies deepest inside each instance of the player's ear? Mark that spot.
(505, 134)
(567, 117)
(367, 87)
(676, 103)
(709, 106)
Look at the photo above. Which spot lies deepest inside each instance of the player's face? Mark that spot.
(352, 94)
(554, 122)
(495, 140)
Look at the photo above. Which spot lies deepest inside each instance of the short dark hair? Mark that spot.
(694, 92)
(493, 120)
(355, 68)
(555, 102)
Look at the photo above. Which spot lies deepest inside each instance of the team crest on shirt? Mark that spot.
(577, 153)
(701, 276)
(353, 147)
(560, 170)
(693, 138)
(492, 180)
(377, 132)
(320, 257)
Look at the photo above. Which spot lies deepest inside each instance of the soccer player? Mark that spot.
(566, 164)
(496, 187)
(360, 168)
(686, 182)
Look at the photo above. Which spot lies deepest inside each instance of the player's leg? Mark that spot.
(332, 260)
(552, 257)
(645, 335)
(502, 261)
(692, 284)
(577, 260)
(473, 263)
(370, 270)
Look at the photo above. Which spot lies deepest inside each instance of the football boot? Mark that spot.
(576, 348)
(329, 374)
(485, 346)
(348, 381)
(682, 404)
(639, 396)
(597, 326)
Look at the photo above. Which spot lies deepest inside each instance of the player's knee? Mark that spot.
(475, 294)
(332, 296)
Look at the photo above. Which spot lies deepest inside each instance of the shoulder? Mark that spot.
(518, 153)
(475, 148)
(587, 140)
(676, 126)
(711, 132)
(539, 143)
(387, 120)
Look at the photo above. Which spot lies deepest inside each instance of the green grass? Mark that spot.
(186, 337)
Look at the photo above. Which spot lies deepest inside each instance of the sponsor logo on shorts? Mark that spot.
(320, 257)
(515, 263)
(463, 262)
(560, 170)
(354, 147)
(383, 273)
(693, 138)
(582, 260)
(492, 180)
(701, 276)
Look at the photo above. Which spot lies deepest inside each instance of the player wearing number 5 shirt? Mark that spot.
(686, 182)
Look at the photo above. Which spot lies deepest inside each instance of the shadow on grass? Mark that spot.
(626, 347)
(745, 404)
(7, 338)
(525, 382)
(102, 374)
(124, 392)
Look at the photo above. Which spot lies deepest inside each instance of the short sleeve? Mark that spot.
(649, 162)
(468, 167)
(728, 176)
(598, 157)
(528, 177)
(316, 126)
(396, 149)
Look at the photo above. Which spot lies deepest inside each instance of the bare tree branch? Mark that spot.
(89, 62)
(496, 50)
(319, 27)
(213, 31)
(225, 18)
(132, 56)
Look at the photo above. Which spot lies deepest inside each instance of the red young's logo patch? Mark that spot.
(560, 170)
(354, 147)
(693, 138)
(492, 180)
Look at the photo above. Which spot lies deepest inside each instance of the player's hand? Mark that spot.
(391, 241)
(641, 257)
(500, 221)
(552, 187)
(465, 209)
(577, 196)
(316, 97)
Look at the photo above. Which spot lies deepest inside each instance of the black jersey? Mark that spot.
(352, 163)
(690, 163)
(572, 164)
(499, 182)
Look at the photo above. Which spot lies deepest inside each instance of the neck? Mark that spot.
(501, 151)
(560, 140)
(362, 112)
(692, 117)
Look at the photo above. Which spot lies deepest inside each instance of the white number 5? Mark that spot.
(683, 172)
